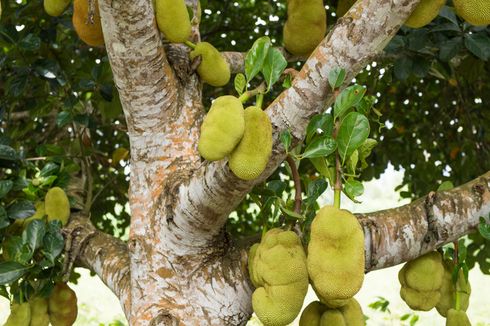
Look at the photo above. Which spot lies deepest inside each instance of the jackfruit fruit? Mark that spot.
(421, 279)
(89, 31)
(213, 68)
(425, 12)
(251, 256)
(222, 128)
(343, 6)
(305, 27)
(39, 214)
(279, 266)
(62, 305)
(250, 157)
(336, 256)
(39, 311)
(457, 318)
(475, 12)
(173, 20)
(56, 205)
(20, 315)
(55, 7)
(312, 314)
(448, 291)
(349, 315)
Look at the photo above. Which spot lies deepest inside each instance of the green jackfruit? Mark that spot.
(336, 256)
(457, 318)
(213, 68)
(39, 311)
(173, 20)
(251, 256)
(89, 32)
(312, 314)
(56, 205)
(305, 27)
(425, 12)
(20, 315)
(222, 128)
(343, 6)
(62, 306)
(250, 157)
(279, 269)
(475, 12)
(421, 280)
(448, 291)
(55, 7)
(349, 315)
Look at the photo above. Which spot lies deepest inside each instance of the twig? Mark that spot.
(297, 184)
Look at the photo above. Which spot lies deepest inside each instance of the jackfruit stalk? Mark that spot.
(475, 12)
(173, 20)
(55, 7)
(39, 311)
(457, 318)
(56, 205)
(213, 68)
(448, 291)
(305, 27)
(62, 305)
(89, 31)
(222, 128)
(20, 315)
(425, 12)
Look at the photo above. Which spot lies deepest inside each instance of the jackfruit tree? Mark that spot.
(182, 151)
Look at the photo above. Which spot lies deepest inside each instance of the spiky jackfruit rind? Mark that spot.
(20, 315)
(88, 31)
(55, 7)
(62, 305)
(457, 318)
(304, 15)
(173, 20)
(421, 280)
(475, 12)
(425, 12)
(336, 255)
(343, 6)
(448, 291)
(251, 257)
(222, 128)
(249, 159)
(280, 267)
(57, 205)
(350, 315)
(39, 311)
(312, 314)
(213, 69)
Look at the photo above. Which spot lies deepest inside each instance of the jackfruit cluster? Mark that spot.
(343, 6)
(425, 12)
(336, 256)
(277, 268)
(173, 20)
(89, 30)
(57, 205)
(213, 69)
(457, 318)
(305, 27)
(421, 280)
(250, 157)
(449, 289)
(317, 314)
(475, 12)
(55, 7)
(62, 305)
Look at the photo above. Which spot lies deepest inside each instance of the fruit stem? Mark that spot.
(337, 190)
(248, 94)
(458, 300)
(297, 184)
(190, 44)
(259, 100)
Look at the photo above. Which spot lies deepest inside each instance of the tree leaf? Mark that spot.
(34, 233)
(365, 150)
(450, 48)
(478, 44)
(315, 189)
(320, 164)
(17, 250)
(286, 139)
(256, 56)
(347, 99)
(353, 131)
(5, 187)
(30, 43)
(446, 185)
(336, 77)
(4, 220)
(8, 153)
(11, 271)
(240, 83)
(274, 65)
(320, 147)
(352, 162)
(323, 122)
(484, 228)
(353, 188)
(291, 214)
(63, 118)
(53, 244)
(21, 210)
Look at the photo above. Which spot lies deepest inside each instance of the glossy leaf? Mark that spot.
(274, 65)
(320, 147)
(286, 138)
(34, 233)
(347, 99)
(21, 209)
(240, 83)
(336, 77)
(11, 271)
(322, 122)
(353, 131)
(255, 57)
(5, 187)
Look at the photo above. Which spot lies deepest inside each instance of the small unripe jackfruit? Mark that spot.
(343, 6)
(457, 318)
(213, 68)
(425, 12)
(222, 128)
(20, 315)
(305, 27)
(421, 280)
(250, 157)
(89, 31)
(173, 20)
(39, 311)
(349, 315)
(62, 305)
(312, 314)
(55, 7)
(56, 205)
(279, 268)
(475, 12)
(336, 256)
(448, 291)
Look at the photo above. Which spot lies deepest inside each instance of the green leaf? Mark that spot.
(240, 83)
(347, 99)
(320, 147)
(484, 228)
(336, 77)
(403, 67)
(365, 150)
(462, 251)
(255, 57)
(63, 118)
(11, 271)
(315, 189)
(277, 186)
(8, 153)
(5, 187)
(291, 214)
(274, 65)
(53, 244)
(446, 185)
(286, 139)
(478, 44)
(4, 220)
(30, 43)
(365, 105)
(352, 162)
(49, 169)
(450, 48)
(320, 164)
(287, 81)
(17, 250)
(353, 131)
(323, 122)
(34, 233)
(353, 188)
(21, 209)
